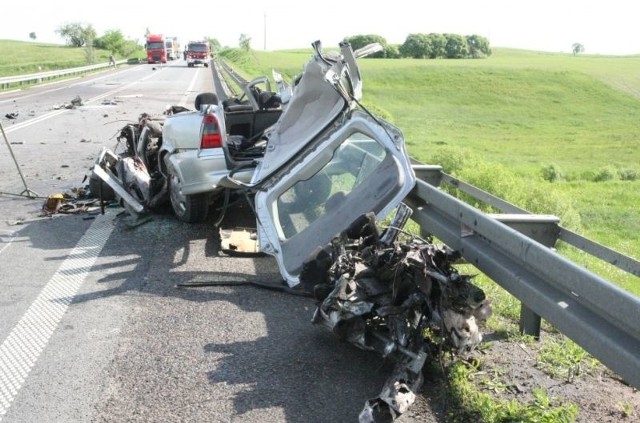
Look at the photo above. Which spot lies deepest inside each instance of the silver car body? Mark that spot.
(200, 170)
(326, 164)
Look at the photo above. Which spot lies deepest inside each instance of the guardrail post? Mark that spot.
(529, 322)
(545, 230)
(431, 174)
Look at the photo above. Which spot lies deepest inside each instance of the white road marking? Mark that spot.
(183, 102)
(59, 112)
(22, 347)
(6, 238)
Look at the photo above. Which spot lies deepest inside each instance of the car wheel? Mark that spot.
(188, 208)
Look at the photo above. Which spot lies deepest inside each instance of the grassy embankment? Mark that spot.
(24, 57)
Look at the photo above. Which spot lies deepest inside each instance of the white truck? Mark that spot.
(172, 46)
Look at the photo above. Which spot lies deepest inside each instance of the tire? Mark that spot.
(187, 208)
(206, 65)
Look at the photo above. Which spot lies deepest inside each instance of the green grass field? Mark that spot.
(22, 57)
(512, 116)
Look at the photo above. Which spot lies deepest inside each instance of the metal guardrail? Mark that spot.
(435, 176)
(598, 315)
(223, 88)
(235, 77)
(8, 81)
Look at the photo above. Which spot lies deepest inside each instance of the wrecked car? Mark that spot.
(322, 177)
(182, 155)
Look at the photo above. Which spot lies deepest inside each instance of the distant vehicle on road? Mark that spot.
(198, 53)
(172, 46)
(156, 49)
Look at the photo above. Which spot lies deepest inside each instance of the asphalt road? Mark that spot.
(93, 326)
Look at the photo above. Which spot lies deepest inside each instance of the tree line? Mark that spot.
(417, 46)
(427, 46)
(80, 35)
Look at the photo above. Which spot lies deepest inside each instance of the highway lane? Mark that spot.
(93, 326)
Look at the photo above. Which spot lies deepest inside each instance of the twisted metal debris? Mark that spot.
(404, 300)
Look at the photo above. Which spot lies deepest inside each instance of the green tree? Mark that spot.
(77, 34)
(113, 41)
(438, 43)
(132, 47)
(417, 46)
(392, 51)
(456, 47)
(577, 48)
(32, 35)
(214, 44)
(245, 42)
(478, 46)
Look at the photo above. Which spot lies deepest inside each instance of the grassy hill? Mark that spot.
(554, 133)
(21, 57)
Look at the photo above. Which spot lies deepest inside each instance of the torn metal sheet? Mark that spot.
(117, 187)
(133, 175)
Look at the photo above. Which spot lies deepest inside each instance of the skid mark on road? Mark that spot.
(27, 340)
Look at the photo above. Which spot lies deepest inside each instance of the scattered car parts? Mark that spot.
(404, 300)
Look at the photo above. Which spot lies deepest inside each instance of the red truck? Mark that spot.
(198, 52)
(156, 49)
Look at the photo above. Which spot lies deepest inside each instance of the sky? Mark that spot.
(602, 27)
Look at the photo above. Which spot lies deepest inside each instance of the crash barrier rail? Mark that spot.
(8, 81)
(223, 88)
(515, 249)
(237, 79)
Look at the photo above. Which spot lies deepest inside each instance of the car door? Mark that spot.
(354, 167)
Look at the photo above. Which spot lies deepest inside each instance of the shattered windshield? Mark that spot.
(355, 160)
